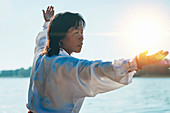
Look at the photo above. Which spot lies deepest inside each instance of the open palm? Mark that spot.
(143, 59)
(49, 13)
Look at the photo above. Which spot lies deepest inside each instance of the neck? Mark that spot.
(66, 51)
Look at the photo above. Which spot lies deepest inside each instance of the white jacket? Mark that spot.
(59, 84)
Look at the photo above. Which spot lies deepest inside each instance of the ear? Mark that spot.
(60, 43)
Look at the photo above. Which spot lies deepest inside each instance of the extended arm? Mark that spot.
(88, 78)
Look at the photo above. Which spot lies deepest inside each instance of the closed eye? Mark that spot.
(76, 32)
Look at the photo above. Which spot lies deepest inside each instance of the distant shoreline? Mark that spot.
(153, 76)
(136, 76)
(13, 77)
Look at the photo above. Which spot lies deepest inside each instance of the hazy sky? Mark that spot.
(114, 28)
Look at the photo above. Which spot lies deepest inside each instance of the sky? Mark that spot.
(114, 29)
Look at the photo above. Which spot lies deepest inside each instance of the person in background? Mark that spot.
(59, 82)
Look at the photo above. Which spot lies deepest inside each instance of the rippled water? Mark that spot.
(143, 95)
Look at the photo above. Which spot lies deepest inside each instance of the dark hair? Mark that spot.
(57, 29)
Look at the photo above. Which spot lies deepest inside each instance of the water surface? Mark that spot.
(143, 95)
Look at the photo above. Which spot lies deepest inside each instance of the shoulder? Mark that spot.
(68, 60)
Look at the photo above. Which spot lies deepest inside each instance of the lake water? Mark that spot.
(143, 95)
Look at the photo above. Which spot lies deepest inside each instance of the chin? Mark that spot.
(78, 51)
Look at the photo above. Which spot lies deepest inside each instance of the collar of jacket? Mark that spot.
(63, 52)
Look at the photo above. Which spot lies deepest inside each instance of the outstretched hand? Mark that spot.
(49, 13)
(143, 59)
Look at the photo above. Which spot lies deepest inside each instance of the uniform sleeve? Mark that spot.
(107, 76)
(88, 78)
(41, 39)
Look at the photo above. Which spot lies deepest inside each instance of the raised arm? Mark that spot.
(41, 39)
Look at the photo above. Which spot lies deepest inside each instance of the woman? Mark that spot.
(59, 82)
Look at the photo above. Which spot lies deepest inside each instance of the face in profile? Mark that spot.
(73, 41)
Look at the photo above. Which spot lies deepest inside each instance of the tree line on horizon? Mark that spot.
(16, 73)
(155, 70)
(161, 69)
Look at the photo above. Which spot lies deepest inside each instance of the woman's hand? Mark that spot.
(49, 13)
(143, 59)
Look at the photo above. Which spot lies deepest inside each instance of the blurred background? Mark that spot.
(114, 29)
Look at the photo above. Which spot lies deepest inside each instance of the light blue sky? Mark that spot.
(108, 24)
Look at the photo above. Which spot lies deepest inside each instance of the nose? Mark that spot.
(81, 37)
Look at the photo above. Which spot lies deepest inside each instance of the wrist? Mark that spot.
(138, 63)
(46, 24)
(47, 19)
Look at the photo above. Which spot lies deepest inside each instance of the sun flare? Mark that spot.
(144, 29)
(145, 33)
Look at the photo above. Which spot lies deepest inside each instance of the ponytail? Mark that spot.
(52, 47)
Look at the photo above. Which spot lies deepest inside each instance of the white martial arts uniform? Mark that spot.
(59, 84)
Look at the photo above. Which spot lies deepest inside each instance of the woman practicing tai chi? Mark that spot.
(59, 82)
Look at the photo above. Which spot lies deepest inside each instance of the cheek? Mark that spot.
(77, 37)
(72, 43)
(66, 43)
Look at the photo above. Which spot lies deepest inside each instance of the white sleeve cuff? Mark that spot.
(133, 65)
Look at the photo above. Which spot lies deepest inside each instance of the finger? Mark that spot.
(47, 9)
(160, 52)
(51, 8)
(165, 53)
(145, 52)
(157, 54)
(52, 11)
(162, 55)
(43, 12)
